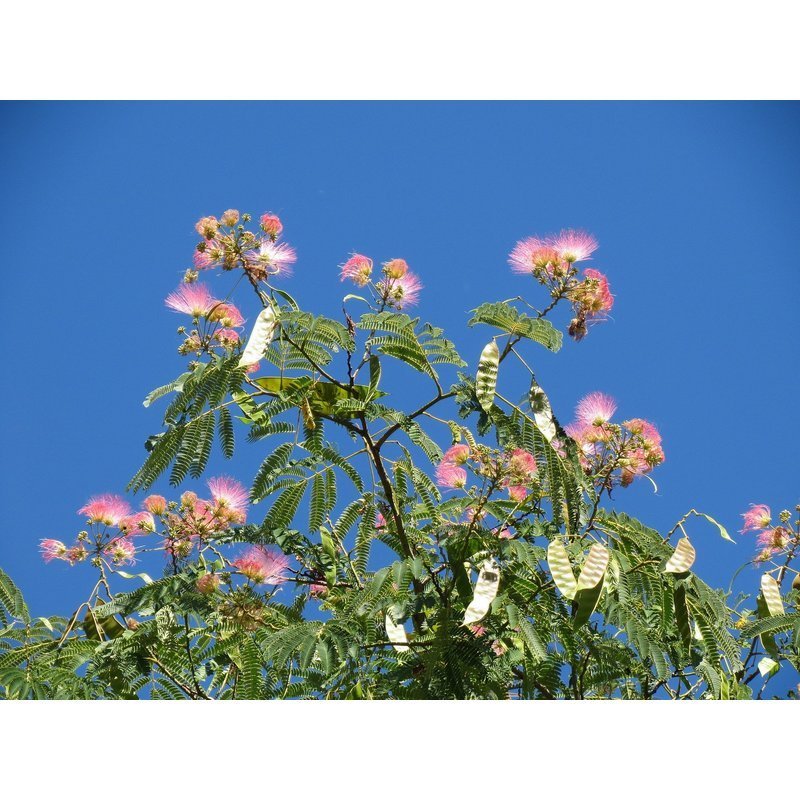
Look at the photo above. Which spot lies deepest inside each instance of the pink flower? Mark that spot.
(202, 259)
(522, 463)
(106, 509)
(227, 315)
(477, 630)
(141, 522)
(645, 429)
(396, 268)
(207, 584)
(231, 496)
(505, 533)
(517, 493)
(380, 521)
(759, 516)
(358, 269)
(317, 589)
(263, 565)
(271, 225)
(595, 409)
(191, 298)
(227, 337)
(533, 256)
(573, 245)
(400, 292)
(596, 297)
(773, 539)
(52, 548)
(207, 227)
(230, 217)
(451, 476)
(458, 454)
(75, 554)
(155, 504)
(272, 258)
(121, 551)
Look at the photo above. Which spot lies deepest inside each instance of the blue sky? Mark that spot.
(695, 206)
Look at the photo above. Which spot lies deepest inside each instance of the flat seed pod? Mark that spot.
(772, 595)
(261, 336)
(486, 379)
(587, 600)
(542, 413)
(485, 592)
(768, 667)
(561, 569)
(594, 568)
(396, 634)
(683, 557)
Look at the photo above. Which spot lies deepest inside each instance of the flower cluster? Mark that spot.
(515, 470)
(228, 244)
(214, 320)
(263, 565)
(771, 539)
(614, 453)
(551, 261)
(397, 288)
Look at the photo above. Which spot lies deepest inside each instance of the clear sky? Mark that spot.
(695, 205)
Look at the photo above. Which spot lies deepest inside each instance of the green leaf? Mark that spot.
(509, 319)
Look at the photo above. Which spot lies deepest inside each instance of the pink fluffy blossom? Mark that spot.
(231, 496)
(155, 504)
(52, 548)
(207, 227)
(533, 256)
(380, 521)
(396, 268)
(227, 315)
(191, 298)
(759, 516)
(595, 409)
(573, 245)
(458, 454)
(773, 539)
(596, 297)
(105, 509)
(121, 551)
(357, 268)
(140, 522)
(271, 225)
(263, 565)
(451, 476)
(207, 584)
(272, 259)
(517, 493)
(230, 217)
(317, 589)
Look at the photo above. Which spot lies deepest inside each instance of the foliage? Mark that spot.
(375, 539)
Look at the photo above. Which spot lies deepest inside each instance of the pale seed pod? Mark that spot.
(260, 337)
(485, 591)
(486, 379)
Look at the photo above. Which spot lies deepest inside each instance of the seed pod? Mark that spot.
(594, 568)
(772, 595)
(561, 569)
(485, 592)
(796, 582)
(486, 379)
(261, 336)
(683, 557)
(542, 413)
(396, 634)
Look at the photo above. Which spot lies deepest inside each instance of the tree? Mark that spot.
(385, 566)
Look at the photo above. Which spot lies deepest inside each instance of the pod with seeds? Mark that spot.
(772, 595)
(485, 591)
(486, 379)
(542, 413)
(683, 557)
(260, 337)
(396, 634)
(561, 569)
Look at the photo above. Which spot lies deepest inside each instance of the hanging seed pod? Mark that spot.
(683, 557)
(561, 569)
(542, 413)
(485, 591)
(261, 336)
(486, 379)
(772, 595)
(594, 568)
(396, 634)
